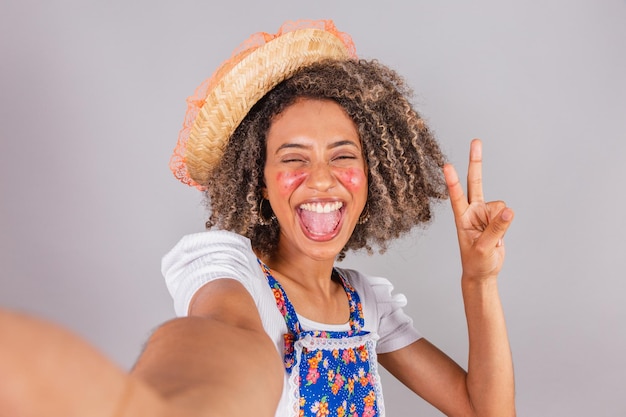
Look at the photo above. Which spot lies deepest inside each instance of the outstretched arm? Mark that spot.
(47, 371)
(218, 361)
(487, 388)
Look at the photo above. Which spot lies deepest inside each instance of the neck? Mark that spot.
(309, 285)
(311, 275)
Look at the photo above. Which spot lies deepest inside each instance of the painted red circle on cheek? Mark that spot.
(352, 178)
(289, 181)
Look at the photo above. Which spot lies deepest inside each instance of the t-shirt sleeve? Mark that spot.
(395, 327)
(203, 257)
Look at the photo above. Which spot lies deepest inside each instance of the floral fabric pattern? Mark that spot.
(332, 373)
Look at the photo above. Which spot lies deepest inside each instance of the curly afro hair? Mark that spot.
(403, 158)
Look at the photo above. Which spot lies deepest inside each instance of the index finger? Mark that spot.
(455, 191)
(475, 173)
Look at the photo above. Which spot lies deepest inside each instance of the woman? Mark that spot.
(306, 152)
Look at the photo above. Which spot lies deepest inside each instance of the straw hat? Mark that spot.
(257, 66)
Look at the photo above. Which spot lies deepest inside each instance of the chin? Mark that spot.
(324, 249)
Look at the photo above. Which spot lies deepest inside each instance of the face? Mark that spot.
(315, 177)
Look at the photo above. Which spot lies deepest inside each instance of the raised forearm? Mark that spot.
(490, 379)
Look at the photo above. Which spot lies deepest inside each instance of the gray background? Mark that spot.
(92, 98)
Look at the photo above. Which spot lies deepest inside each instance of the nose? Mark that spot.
(321, 177)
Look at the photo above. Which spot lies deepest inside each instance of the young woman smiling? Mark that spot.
(304, 152)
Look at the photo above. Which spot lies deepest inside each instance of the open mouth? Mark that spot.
(321, 220)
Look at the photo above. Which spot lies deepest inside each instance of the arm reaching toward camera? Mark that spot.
(218, 361)
(48, 371)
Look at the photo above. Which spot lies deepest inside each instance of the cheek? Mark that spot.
(353, 179)
(289, 181)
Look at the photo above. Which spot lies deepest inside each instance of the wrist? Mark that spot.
(479, 285)
(478, 279)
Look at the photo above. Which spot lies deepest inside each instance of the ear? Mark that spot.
(264, 192)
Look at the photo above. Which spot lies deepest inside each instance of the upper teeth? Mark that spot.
(322, 207)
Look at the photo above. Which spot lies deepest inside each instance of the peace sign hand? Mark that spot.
(480, 225)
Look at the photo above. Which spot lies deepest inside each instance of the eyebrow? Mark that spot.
(333, 145)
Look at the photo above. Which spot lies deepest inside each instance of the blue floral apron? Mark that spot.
(331, 373)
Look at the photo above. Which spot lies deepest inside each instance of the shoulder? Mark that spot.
(203, 257)
(223, 246)
(380, 288)
(384, 311)
(213, 240)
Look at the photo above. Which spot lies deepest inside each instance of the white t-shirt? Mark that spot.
(202, 257)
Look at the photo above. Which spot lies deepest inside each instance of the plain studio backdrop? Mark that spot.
(92, 96)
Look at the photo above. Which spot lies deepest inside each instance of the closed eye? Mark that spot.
(347, 157)
(292, 159)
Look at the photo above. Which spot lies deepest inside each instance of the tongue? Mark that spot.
(320, 223)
